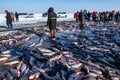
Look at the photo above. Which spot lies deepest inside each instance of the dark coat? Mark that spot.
(8, 19)
(81, 16)
(16, 15)
(52, 17)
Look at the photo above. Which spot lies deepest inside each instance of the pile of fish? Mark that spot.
(30, 54)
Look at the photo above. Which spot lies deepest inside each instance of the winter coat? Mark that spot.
(16, 15)
(81, 16)
(12, 15)
(94, 14)
(52, 17)
(76, 15)
(8, 18)
(89, 15)
(106, 16)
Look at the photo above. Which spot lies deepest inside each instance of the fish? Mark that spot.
(45, 50)
(73, 75)
(23, 67)
(13, 58)
(38, 57)
(5, 55)
(76, 65)
(55, 49)
(15, 73)
(20, 43)
(18, 66)
(25, 75)
(9, 76)
(2, 74)
(34, 76)
(32, 60)
(11, 63)
(115, 78)
(36, 51)
(64, 75)
(38, 45)
(44, 76)
(3, 59)
(65, 52)
(6, 52)
(33, 44)
(56, 58)
(48, 54)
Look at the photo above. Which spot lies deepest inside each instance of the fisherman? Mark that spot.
(117, 16)
(110, 16)
(51, 22)
(81, 19)
(100, 15)
(107, 16)
(113, 13)
(17, 17)
(76, 16)
(94, 16)
(88, 16)
(12, 16)
(8, 19)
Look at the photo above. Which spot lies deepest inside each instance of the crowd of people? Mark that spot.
(83, 16)
(98, 16)
(10, 17)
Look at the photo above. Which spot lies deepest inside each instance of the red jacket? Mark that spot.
(76, 15)
(94, 14)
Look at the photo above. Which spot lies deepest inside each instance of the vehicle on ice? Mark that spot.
(26, 15)
(62, 15)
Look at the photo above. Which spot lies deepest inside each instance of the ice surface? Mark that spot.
(35, 19)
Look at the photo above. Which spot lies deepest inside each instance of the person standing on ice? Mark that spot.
(8, 19)
(12, 16)
(81, 19)
(88, 16)
(17, 17)
(76, 16)
(51, 22)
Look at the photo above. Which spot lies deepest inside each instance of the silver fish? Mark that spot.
(19, 65)
(73, 75)
(11, 63)
(25, 75)
(34, 76)
(2, 75)
(63, 75)
(76, 66)
(15, 73)
(23, 67)
(6, 52)
(5, 55)
(9, 76)
(45, 50)
(48, 54)
(56, 57)
(13, 58)
(55, 49)
(32, 60)
(3, 59)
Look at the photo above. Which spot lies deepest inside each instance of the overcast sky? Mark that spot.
(70, 6)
